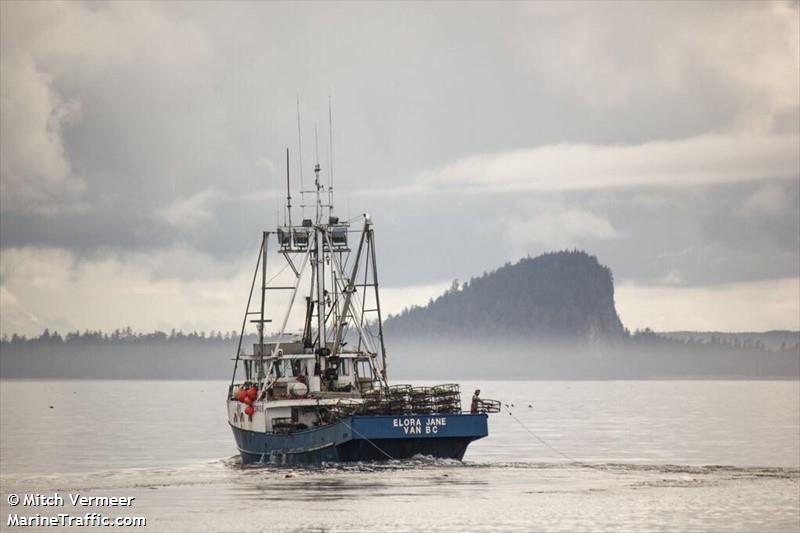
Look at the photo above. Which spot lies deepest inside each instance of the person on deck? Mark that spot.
(475, 402)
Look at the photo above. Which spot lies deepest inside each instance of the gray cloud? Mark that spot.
(473, 132)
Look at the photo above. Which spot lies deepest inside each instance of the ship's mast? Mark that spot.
(319, 241)
(320, 244)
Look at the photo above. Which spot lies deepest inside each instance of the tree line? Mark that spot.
(119, 336)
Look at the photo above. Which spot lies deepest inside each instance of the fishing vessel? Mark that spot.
(323, 394)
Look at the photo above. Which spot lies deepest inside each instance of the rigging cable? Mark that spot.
(353, 219)
(246, 311)
(270, 280)
(366, 439)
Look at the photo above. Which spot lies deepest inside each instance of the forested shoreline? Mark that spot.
(548, 317)
(645, 354)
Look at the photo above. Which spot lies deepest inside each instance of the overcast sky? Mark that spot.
(142, 151)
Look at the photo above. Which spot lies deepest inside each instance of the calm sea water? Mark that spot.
(670, 455)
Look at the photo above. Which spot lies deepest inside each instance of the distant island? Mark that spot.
(553, 317)
(567, 296)
(547, 317)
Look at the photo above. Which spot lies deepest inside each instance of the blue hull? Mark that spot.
(366, 438)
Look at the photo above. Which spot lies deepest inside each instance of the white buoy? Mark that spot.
(298, 390)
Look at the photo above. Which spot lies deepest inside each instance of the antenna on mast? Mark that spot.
(288, 189)
(317, 186)
(330, 154)
(316, 143)
(300, 157)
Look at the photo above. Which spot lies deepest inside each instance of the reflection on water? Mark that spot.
(430, 494)
(683, 455)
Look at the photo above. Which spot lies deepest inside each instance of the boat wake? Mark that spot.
(230, 470)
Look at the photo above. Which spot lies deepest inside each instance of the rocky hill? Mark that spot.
(564, 295)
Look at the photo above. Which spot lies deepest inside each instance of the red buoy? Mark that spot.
(252, 392)
(241, 396)
(248, 400)
(249, 410)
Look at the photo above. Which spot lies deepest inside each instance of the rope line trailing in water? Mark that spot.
(562, 454)
(366, 439)
(537, 437)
